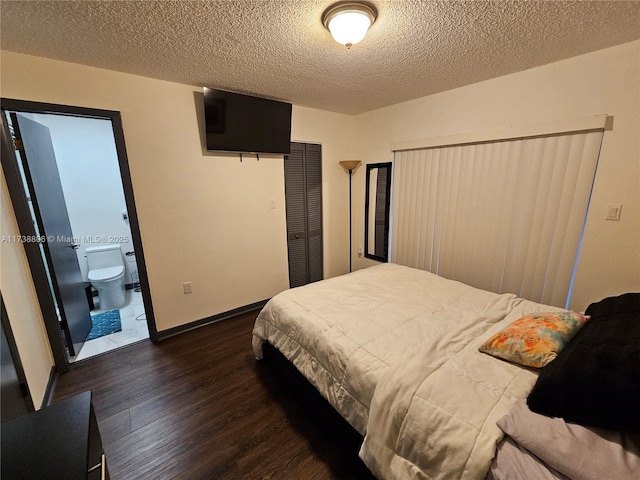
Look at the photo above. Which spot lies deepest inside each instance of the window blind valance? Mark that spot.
(583, 124)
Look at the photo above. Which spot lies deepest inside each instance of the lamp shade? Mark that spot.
(350, 165)
(349, 22)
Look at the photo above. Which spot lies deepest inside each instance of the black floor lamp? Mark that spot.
(350, 166)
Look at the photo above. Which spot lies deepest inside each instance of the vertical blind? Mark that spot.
(504, 216)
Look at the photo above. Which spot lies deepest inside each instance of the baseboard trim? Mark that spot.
(171, 332)
(47, 399)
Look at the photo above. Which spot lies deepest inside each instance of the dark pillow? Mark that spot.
(595, 380)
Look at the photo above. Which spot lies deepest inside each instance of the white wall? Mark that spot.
(602, 82)
(19, 295)
(204, 217)
(90, 176)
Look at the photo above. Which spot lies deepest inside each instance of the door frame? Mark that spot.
(25, 223)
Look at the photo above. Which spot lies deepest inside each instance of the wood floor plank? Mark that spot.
(199, 406)
(115, 427)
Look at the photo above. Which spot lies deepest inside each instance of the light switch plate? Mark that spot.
(613, 212)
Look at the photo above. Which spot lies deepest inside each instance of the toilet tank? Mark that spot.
(104, 256)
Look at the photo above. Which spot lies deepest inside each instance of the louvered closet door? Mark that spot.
(303, 192)
(313, 164)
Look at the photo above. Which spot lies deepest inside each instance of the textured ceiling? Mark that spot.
(279, 49)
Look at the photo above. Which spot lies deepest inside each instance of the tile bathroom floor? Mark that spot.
(134, 328)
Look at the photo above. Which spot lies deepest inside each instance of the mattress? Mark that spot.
(395, 351)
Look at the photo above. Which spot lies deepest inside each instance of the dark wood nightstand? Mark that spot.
(59, 441)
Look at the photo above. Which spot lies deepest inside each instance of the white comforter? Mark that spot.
(394, 350)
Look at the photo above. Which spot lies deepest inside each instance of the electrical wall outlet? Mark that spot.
(359, 252)
(186, 287)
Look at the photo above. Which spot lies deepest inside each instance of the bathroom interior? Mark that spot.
(89, 173)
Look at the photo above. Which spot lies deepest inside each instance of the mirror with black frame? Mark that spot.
(376, 211)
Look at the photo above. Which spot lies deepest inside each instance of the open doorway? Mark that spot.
(69, 175)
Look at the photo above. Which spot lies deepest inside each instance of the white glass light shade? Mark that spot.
(348, 22)
(349, 27)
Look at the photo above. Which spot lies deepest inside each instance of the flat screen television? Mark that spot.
(243, 123)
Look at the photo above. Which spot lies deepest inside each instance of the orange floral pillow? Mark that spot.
(536, 339)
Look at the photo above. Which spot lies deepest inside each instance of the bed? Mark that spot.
(395, 351)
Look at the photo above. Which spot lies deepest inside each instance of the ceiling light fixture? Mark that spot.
(348, 22)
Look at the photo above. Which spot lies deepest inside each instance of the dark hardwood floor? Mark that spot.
(199, 406)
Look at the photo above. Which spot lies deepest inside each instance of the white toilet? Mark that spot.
(106, 274)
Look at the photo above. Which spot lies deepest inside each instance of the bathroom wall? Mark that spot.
(90, 176)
